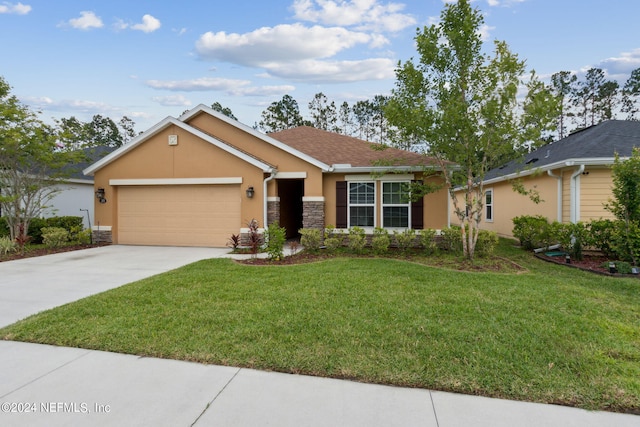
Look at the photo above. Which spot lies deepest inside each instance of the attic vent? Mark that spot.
(548, 154)
(530, 161)
(173, 139)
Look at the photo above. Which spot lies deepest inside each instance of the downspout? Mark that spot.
(264, 196)
(559, 179)
(575, 194)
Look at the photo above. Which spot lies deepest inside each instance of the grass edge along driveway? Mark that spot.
(551, 335)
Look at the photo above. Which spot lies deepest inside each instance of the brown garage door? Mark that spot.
(178, 215)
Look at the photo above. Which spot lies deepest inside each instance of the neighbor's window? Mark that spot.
(488, 205)
(395, 204)
(362, 200)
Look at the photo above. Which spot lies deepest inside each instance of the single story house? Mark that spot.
(200, 178)
(572, 176)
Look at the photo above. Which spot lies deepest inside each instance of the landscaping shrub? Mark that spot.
(332, 240)
(380, 241)
(255, 239)
(622, 267)
(66, 222)
(601, 233)
(487, 242)
(54, 237)
(428, 240)
(625, 241)
(7, 245)
(4, 228)
(405, 239)
(572, 237)
(357, 239)
(35, 229)
(531, 231)
(311, 239)
(451, 239)
(276, 237)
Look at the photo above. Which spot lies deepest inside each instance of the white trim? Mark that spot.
(574, 185)
(101, 228)
(493, 213)
(176, 181)
(559, 191)
(389, 177)
(291, 175)
(273, 199)
(313, 199)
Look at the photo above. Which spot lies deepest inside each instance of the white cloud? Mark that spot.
(173, 101)
(15, 9)
(335, 71)
(362, 14)
(80, 106)
(503, 3)
(86, 21)
(269, 45)
(229, 86)
(149, 24)
(622, 64)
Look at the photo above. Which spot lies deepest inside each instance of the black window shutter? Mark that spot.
(417, 213)
(341, 204)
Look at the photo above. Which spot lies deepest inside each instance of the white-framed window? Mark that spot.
(488, 205)
(362, 203)
(396, 204)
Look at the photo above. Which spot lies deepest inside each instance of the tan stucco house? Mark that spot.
(572, 176)
(197, 179)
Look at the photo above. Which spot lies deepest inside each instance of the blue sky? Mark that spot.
(148, 59)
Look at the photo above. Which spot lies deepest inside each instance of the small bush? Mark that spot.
(234, 241)
(451, 239)
(428, 240)
(601, 233)
(4, 227)
(54, 237)
(357, 239)
(7, 245)
(311, 239)
(625, 241)
(276, 237)
(35, 229)
(380, 241)
(66, 222)
(255, 239)
(405, 239)
(572, 237)
(622, 267)
(486, 243)
(530, 230)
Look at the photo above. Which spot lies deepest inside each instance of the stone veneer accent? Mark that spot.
(273, 210)
(313, 214)
(101, 236)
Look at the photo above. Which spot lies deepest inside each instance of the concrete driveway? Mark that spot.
(31, 285)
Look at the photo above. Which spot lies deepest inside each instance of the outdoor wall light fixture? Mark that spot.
(250, 192)
(100, 195)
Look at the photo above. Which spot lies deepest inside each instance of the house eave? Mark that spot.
(162, 126)
(379, 169)
(266, 138)
(593, 161)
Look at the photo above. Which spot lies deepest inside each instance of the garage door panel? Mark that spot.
(181, 215)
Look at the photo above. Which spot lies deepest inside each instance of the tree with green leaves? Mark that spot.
(631, 95)
(463, 103)
(31, 164)
(563, 83)
(323, 113)
(281, 115)
(216, 106)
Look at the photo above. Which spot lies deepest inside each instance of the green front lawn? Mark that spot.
(550, 334)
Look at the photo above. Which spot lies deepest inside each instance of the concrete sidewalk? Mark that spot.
(44, 385)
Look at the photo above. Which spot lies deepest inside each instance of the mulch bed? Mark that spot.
(592, 263)
(34, 252)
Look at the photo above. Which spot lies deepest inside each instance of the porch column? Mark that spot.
(313, 212)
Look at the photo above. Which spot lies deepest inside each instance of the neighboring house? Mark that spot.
(572, 176)
(198, 179)
(76, 195)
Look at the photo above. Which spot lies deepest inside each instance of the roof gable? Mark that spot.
(261, 136)
(163, 125)
(346, 151)
(596, 145)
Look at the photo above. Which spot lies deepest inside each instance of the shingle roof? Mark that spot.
(595, 144)
(336, 149)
